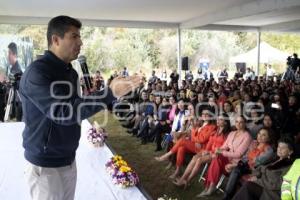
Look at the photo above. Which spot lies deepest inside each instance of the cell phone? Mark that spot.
(275, 105)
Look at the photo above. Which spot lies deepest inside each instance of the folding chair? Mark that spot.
(203, 172)
(219, 184)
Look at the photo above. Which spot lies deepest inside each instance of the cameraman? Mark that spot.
(295, 62)
(15, 74)
(2, 97)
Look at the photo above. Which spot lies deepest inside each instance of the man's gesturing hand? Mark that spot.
(121, 86)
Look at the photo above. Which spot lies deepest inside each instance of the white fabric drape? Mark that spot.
(92, 180)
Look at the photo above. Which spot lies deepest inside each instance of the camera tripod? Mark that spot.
(11, 103)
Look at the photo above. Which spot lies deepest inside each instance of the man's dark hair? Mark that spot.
(60, 25)
(295, 55)
(289, 141)
(13, 47)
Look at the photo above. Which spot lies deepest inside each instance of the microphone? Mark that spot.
(86, 75)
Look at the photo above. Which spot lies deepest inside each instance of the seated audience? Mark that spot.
(215, 141)
(265, 182)
(228, 155)
(193, 144)
(260, 152)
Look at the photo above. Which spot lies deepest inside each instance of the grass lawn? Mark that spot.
(153, 175)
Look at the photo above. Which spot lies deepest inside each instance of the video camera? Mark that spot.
(14, 79)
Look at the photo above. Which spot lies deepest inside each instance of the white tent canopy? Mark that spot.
(239, 15)
(268, 54)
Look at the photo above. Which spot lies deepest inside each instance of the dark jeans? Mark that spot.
(18, 111)
(157, 133)
(2, 106)
(249, 191)
(144, 128)
(237, 172)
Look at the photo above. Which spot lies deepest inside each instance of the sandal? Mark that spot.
(184, 183)
(159, 159)
(202, 194)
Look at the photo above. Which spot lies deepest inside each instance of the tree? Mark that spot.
(38, 35)
(283, 41)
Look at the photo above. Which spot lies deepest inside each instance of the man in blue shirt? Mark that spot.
(53, 111)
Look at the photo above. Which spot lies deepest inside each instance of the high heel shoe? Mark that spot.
(169, 166)
(173, 176)
(202, 194)
(179, 183)
(177, 180)
(159, 158)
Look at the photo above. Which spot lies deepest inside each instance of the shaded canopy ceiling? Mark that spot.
(239, 15)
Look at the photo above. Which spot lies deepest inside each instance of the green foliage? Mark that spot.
(110, 49)
(286, 42)
(11, 29)
(217, 46)
(114, 48)
(168, 55)
(246, 40)
(38, 36)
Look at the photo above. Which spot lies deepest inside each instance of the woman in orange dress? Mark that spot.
(230, 153)
(215, 141)
(193, 144)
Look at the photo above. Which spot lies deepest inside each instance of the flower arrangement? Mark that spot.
(97, 135)
(121, 173)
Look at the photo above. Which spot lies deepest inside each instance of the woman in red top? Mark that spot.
(195, 144)
(230, 153)
(215, 141)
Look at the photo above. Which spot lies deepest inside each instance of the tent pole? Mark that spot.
(179, 54)
(258, 52)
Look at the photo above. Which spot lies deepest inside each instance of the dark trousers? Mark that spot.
(249, 191)
(144, 128)
(157, 133)
(234, 177)
(2, 106)
(18, 111)
(16, 106)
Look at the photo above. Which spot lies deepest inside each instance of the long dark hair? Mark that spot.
(177, 109)
(272, 139)
(212, 118)
(227, 127)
